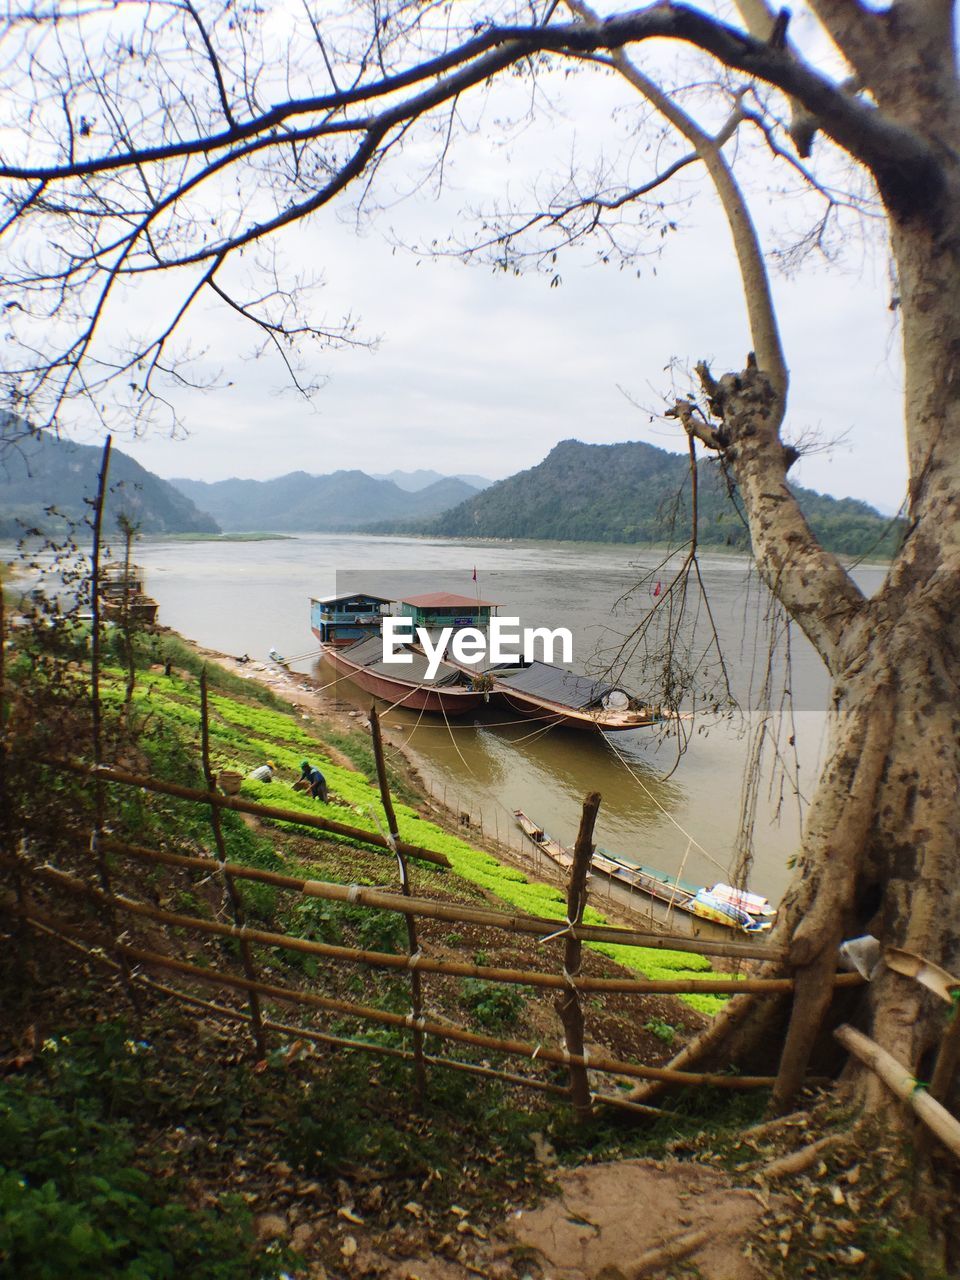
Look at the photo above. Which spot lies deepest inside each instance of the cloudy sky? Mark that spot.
(481, 372)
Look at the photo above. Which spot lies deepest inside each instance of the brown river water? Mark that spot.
(681, 815)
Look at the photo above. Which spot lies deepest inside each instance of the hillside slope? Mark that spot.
(38, 474)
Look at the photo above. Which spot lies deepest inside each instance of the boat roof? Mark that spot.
(369, 654)
(555, 684)
(445, 600)
(351, 595)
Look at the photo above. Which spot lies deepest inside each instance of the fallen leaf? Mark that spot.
(350, 1216)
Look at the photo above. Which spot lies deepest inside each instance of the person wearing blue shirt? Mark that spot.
(312, 778)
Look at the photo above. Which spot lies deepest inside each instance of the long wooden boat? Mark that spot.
(139, 607)
(451, 693)
(543, 691)
(663, 896)
(121, 592)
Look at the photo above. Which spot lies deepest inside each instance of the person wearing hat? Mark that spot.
(311, 778)
(264, 773)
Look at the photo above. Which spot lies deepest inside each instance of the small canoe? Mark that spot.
(667, 895)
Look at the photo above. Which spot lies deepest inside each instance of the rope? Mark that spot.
(560, 933)
(666, 812)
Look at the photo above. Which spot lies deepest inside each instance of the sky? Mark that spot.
(481, 372)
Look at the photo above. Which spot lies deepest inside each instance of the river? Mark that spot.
(249, 597)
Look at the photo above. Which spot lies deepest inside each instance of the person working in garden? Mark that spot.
(264, 773)
(311, 778)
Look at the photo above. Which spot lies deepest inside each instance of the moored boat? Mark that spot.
(530, 688)
(450, 693)
(544, 691)
(122, 594)
(662, 895)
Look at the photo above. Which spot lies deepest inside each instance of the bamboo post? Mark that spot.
(236, 902)
(96, 712)
(6, 819)
(948, 1055)
(568, 1003)
(416, 982)
(900, 1081)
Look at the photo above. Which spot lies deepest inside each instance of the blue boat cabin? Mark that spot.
(342, 620)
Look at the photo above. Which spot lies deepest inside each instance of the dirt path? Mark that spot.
(629, 1220)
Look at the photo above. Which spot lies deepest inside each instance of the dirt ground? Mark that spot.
(608, 1220)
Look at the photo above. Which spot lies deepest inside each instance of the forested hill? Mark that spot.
(45, 482)
(637, 493)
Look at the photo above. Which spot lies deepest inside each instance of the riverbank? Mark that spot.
(618, 903)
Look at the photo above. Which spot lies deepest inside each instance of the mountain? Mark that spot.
(414, 481)
(38, 472)
(345, 500)
(635, 492)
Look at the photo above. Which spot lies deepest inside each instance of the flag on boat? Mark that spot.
(657, 589)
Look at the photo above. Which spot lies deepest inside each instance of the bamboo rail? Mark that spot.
(510, 922)
(325, 1038)
(449, 968)
(511, 1048)
(107, 773)
(305, 1033)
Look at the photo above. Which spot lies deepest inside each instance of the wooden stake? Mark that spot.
(568, 1004)
(416, 983)
(7, 849)
(233, 894)
(96, 711)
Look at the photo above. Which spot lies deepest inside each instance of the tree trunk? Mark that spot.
(880, 852)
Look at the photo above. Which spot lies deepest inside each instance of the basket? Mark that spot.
(230, 782)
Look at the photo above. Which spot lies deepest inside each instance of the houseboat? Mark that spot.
(532, 689)
(342, 620)
(122, 594)
(704, 912)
